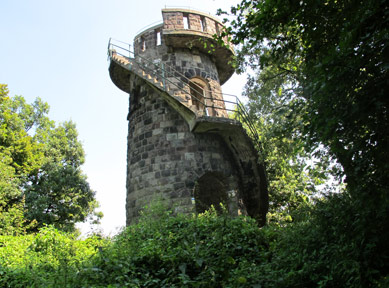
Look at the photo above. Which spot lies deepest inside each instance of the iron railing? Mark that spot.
(145, 28)
(165, 74)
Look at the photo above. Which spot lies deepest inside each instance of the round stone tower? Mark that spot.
(182, 146)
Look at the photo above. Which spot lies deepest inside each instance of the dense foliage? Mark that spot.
(206, 250)
(325, 62)
(41, 181)
(296, 175)
(50, 258)
(319, 81)
(317, 94)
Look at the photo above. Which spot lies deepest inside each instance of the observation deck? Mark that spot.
(188, 29)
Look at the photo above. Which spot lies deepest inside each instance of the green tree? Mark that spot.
(295, 176)
(59, 193)
(12, 221)
(15, 142)
(329, 58)
(42, 166)
(19, 155)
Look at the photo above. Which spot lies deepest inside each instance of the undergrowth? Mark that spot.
(323, 249)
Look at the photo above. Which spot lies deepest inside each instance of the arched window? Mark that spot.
(210, 189)
(200, 96)
(197, 94)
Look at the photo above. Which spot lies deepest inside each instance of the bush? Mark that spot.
(48, 259)
(182, 251)
(331, 246)
(335, 246)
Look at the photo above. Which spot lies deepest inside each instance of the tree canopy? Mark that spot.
(330, 57)
(319, 81)
(41, 168)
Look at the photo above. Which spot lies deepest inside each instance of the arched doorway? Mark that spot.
(200, 96)
(210, 189)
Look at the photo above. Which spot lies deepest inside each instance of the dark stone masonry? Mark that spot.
(182, 146)
(166, 159)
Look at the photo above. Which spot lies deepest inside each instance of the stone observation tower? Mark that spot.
(182, 145)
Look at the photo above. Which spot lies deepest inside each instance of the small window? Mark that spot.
(134, 99)
(217, 29)
(158, 37)
(186, 21)
(202, 23)
(143, 43)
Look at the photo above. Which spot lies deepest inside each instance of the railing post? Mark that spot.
(163, 75)
(109, 43)
(109, 50)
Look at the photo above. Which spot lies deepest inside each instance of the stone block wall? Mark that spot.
(165, 159)
(214, 162)
(195, 22)
(173, 20)
(145, 44)
(188, 63)
(217, 99)
(199, 22)
(193, 65)
(210, 26)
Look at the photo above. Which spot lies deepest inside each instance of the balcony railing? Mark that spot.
(170, 79)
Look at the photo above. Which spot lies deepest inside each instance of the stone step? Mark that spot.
(138, 71)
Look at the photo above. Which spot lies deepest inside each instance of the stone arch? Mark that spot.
(201, 96)
(210, 189)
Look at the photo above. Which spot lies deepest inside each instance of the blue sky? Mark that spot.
(56, 50)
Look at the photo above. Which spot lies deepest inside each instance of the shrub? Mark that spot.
(182, 251)
(48, 259)
(330, 246)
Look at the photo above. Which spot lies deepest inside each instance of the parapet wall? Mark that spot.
(189, 30)
(196, 21)
(178, 21)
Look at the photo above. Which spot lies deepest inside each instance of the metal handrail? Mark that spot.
(189, 8)
(172, 74)
(147, 27)
(167, 71)
(164, 75)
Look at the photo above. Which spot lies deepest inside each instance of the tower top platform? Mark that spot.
(194, 30)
